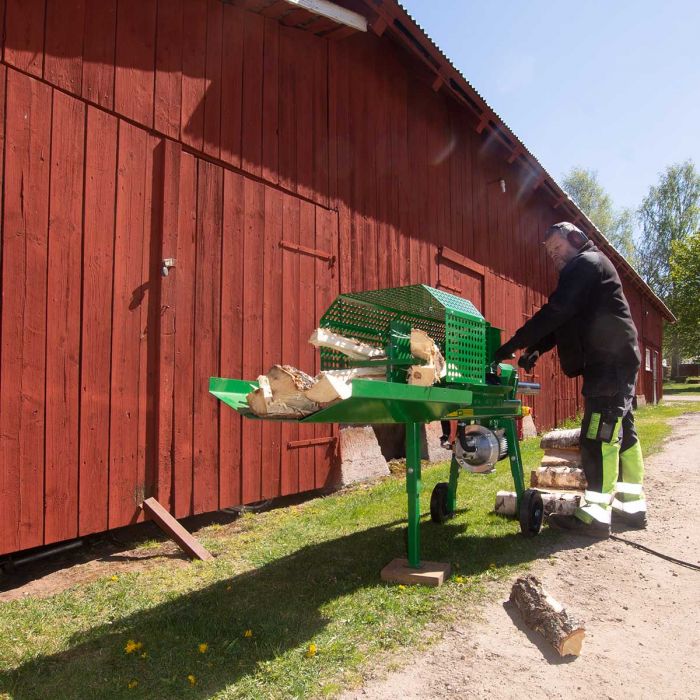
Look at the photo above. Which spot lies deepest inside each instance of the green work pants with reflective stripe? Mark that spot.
(610, 454)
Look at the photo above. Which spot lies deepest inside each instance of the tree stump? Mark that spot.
(547, 616)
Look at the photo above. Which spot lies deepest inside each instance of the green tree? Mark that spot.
(616, 225)
(670, 214)
(685, 277)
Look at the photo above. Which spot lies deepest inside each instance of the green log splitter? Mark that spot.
(479, 395)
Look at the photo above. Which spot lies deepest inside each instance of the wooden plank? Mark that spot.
(303, 118)
(149, 309)
(320, 142)
(252, 101)
(168, 86)
(95, 361)
(212, 97)
(194, 56)
(24, 261)
(63, 64)
(232, 85)
(63, 320)
(460, 260)
(274, 306)
(99, 44)
(289, 468)
(167, 299)
(270, 102)
(287, 112)
(327, 289)
(307, 324)
(175, 530)
(207, 316)
(231, 337)
(253, 275)
(184, 337)
(125, 491)
(135, 60)
(24, 35)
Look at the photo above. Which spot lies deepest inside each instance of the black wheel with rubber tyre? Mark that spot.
(531, 513)
(439, 511)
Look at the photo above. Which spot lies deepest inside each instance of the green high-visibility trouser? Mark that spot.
(611, 458)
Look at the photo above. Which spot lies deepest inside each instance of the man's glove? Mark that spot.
(528, 359)
(505, 352)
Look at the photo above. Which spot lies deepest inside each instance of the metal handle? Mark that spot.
(528, 388)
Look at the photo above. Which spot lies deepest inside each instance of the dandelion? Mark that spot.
(114, 578)
(248, 633)
(203, 648)
(192, 679)
(402, 587)
(132, 646)
(459, 579)
(311, 651)
(132, 684)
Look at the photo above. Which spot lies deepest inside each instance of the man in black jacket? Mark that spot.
(588, 319)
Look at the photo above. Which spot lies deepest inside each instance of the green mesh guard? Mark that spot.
(454, 323)
(493, 340)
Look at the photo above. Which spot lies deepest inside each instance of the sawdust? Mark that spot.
(641, 612)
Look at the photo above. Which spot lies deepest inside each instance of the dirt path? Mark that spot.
(642, 613)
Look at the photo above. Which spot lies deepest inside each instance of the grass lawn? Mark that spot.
(292, 606)
(681, 388)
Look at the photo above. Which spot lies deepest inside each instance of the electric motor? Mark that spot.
(478, 448)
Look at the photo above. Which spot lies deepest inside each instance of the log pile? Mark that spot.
(545, 615)
(560, 467)
(288, 392)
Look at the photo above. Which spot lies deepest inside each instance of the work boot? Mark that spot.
(635, 520)
(571, 523)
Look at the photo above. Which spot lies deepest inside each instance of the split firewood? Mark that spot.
(559, 439)
(281, 393)
(336, 384)
(574, 460)
(354, 349)
(547, 616)
(560, 503)
(558, 478)
(425, 348)
(570, 453)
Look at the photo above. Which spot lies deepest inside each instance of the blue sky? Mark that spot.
(613, 86)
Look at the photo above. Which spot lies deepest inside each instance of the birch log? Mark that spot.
(558, 478)
(559, 503)
(547, 616)
(561, 439)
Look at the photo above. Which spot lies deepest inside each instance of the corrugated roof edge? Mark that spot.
(447, 72)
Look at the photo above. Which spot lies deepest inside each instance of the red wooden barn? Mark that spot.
(278, 155)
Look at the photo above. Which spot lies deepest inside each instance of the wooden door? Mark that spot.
(254, 269)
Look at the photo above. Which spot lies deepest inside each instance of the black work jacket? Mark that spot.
(588, 318)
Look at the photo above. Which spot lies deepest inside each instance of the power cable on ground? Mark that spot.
(673, 560)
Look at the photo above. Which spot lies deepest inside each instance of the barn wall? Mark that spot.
(277, 168)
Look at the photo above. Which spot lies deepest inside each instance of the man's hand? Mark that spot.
(505, 352)
(528, 359)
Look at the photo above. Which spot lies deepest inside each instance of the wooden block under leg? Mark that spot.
(430, 573)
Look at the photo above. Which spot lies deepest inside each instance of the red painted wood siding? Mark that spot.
(135, 131)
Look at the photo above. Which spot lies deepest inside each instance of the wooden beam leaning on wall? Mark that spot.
(172, 528)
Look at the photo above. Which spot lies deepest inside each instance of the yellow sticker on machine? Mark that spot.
(460, 413)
